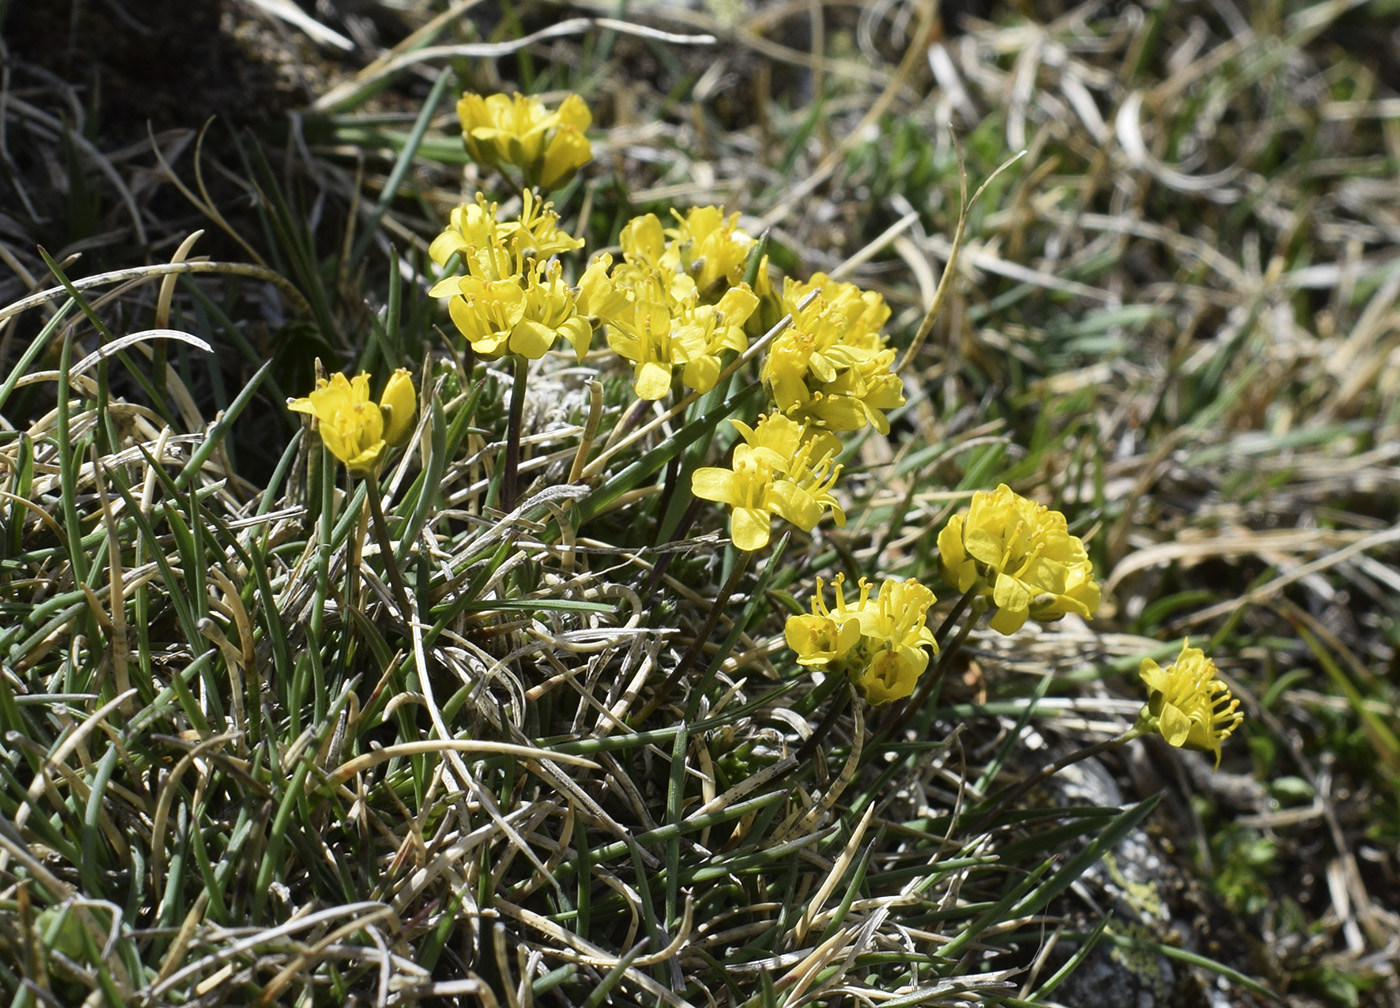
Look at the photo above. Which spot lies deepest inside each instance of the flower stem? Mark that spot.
(509, 478)
(953, 615)
(386, 547)
(823, 728)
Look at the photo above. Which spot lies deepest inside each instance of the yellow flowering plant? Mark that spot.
(354, 429)
(665, 331)
(1019, 557)
(832, 366)
(704, 245)
(1188, 704)
(359, 433)
(684, 303)
(782, 469)
(512, 299)
(548, 147)
(535, 234)
(881, 644)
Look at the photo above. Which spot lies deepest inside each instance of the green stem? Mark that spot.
(954, 614)
(823, 728)
(386, 546)
(509, 478)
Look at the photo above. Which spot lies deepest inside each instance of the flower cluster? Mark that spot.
(706, 246)
(780, 468)
(357, 431)
(1187, 703)
(512, 297)
(684, 300)
(674, 305)
(547, 147)
(677, 303)
(880, 643)
(832, 366)
(1019, 556)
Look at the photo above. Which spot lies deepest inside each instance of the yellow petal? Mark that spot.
(399, 405)
(653, 380)
(1176, 726)
(714, 484)
(750, 528)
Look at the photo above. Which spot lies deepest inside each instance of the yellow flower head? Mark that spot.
(714, 251)
(356, 430)
(832, 366)
(780, 468)
(880, 643)
(485, 311)
(471, 225)
(1187, 703)
(1021, 558)
(547, 147)
(662, 328)
(824, 635)
(475, 226)
(551, 312)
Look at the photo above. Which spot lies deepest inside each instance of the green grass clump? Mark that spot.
(499, 712)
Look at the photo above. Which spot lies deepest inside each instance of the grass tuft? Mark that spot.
(513, 722)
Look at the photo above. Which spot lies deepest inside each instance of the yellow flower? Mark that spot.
(714, 251)
(641, 332)
(880, 644)
(474, 227)
(399, 404)
(823, 636)
(537, 233)
(780, 468)
(600, 299)
(521, 314)
(471, 225)
(550, 312)
(832, 366)
(663, 328)
(1187, 703)
(484, 311)
(1021, 557)
(356, 430)
(547, 147)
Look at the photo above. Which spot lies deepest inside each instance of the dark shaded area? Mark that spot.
(163, 62)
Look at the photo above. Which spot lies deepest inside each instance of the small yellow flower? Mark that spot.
(641, 332)
(399, 404)
(484, 311)
(1021, 557)
(714, 251)
(474, 227)
(1187, 703)
(824, 635)
(662, 328)
(832, 366)
(547, 147)
(881, 644)
(550, 313)
(780, 468)
(471, 225)
(537, 234)
(356, 430)
(600, 299)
